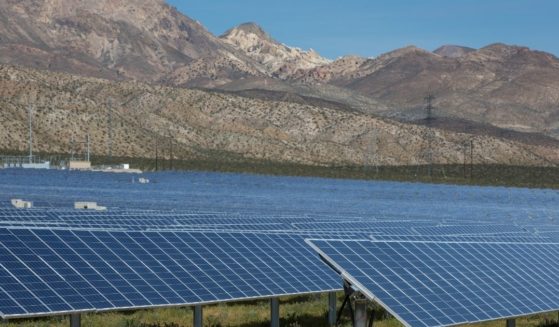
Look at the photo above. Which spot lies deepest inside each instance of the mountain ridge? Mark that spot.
(453, 51)
(206, 125)
(148, 42)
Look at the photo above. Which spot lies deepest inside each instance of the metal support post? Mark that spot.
(360, 312)
(372, 321)
(511, 322)
(274, 312)
(198, 316)
(332, 308)
(75, 320)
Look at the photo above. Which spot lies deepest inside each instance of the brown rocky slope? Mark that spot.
(202, 123)
(143, 40)
(506, 86)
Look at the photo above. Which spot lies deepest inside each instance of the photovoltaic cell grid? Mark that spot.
(152, 220)
(444, 284)
(362, 225)
(161, 220)
(237, 193)
(292, 208)
(164, 220)
(58, 271)
(464, 238)
(469, 230)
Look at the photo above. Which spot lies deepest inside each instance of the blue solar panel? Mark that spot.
(469, 230)
(252, 224)
(443, 284)
(314, 197)
(516, 238)
(370, 225)
(46, 271)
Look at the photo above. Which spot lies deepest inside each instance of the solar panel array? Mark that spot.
(444, 284)
(58, 271)
(198, 238)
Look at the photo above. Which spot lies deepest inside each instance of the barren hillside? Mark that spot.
(510, 87)
(506, 86)
(205, 124)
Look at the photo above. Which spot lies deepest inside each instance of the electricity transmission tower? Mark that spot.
(371, 154)
(156, 153)
(79, 146)
(110, 129)
(471, 158)
(429, 132)
(30, 116)
(170, 151)
(469, 147)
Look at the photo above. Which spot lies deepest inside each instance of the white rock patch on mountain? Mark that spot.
(280, 59)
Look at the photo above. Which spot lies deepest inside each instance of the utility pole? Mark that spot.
(471, 159)
(72, 147)
(465, 154)
(367, 154)
(429, 111)
(30, 114)
(170, 153)
(372, 158)
(156, 154)
(110, 129)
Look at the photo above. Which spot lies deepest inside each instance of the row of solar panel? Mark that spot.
(442, 284)
(298, 196)
(55, 271)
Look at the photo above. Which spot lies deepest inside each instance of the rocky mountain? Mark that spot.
(144, 40)
(207, 124)
(263, 99)
(279, 59)
(507, 86)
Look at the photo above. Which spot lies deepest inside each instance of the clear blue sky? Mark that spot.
(370, 27)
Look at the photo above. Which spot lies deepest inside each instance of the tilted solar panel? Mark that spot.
(362, 225)
(516, 238)
(45, 272)
(469, 229)
(444, 284)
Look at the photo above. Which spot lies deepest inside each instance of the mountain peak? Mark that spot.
(405, 51)
(279, 59)
(453, 51)
(146, 40)
(254, 28)
(248, 29)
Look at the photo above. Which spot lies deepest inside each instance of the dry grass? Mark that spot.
(299, 311)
